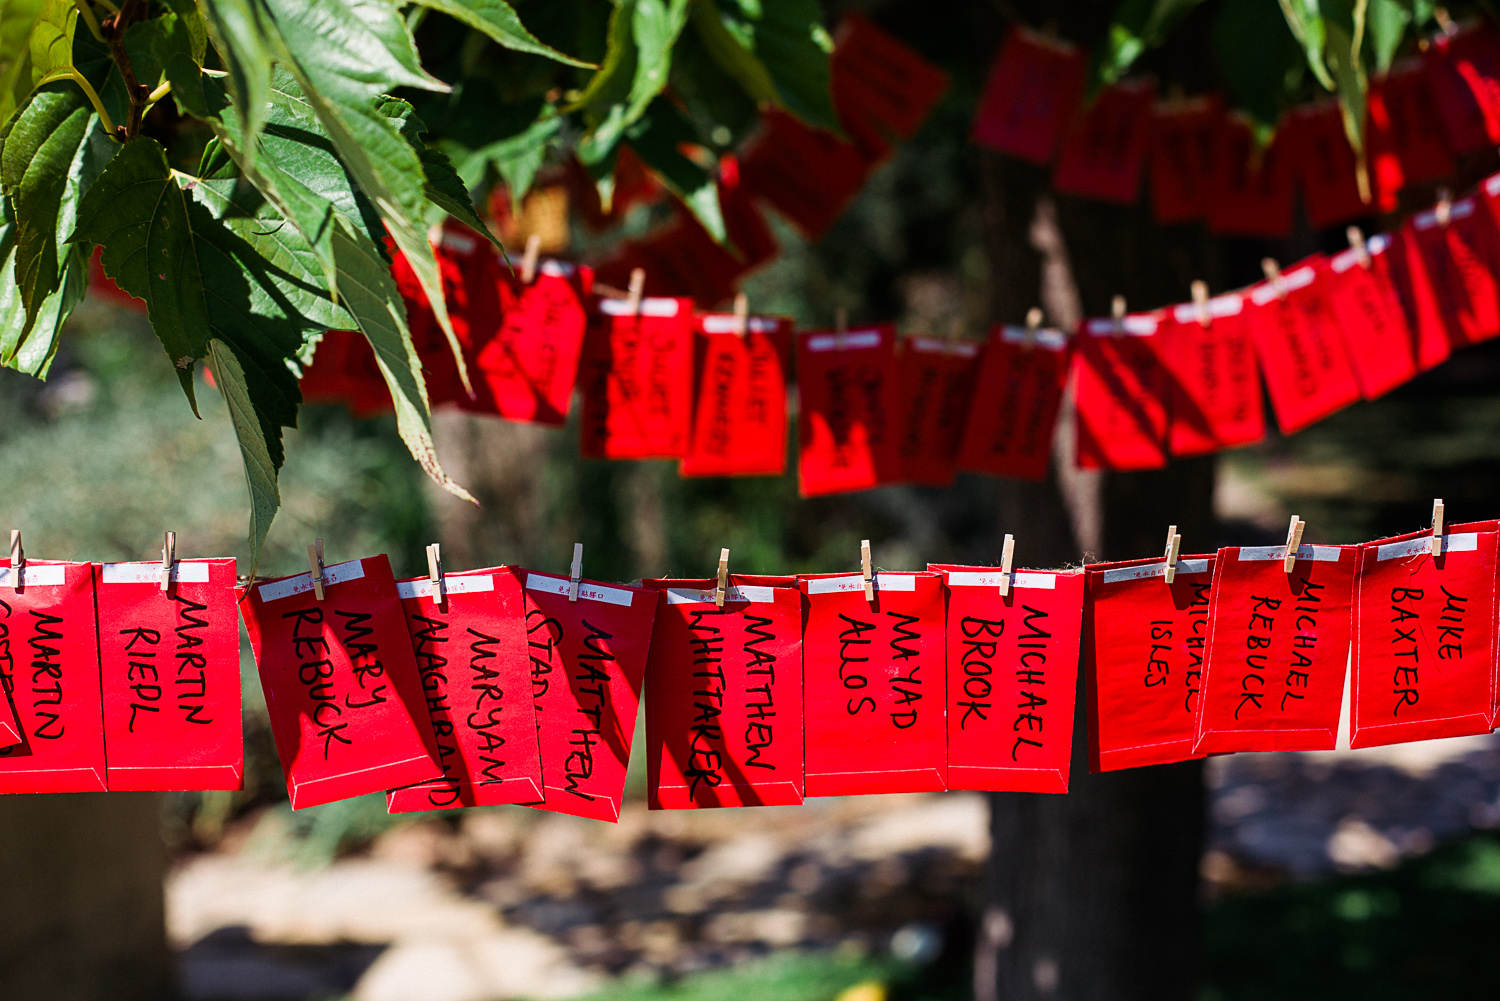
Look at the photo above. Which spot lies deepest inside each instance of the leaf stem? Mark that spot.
(159, 92)
(88, 18)
(69, 73)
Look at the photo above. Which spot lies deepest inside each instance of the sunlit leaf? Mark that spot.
(498, 20)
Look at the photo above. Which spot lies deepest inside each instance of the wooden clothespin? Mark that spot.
(17, 559)
(1033, 324)
(168, 557)
(723, 588)
(1007, 560)
(435, 573)
(1444, 207)
(575, 574)
(1293, 543)
(1174, 546)
(531, 258)
(1357, 244)
(315, 567)
(1273, 275)
(869, 572)
(1200, 303)
(637, 290)
(1437, 527)
(742, 315)
(1117, 312)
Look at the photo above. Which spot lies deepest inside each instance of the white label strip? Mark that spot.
(1291, 281)
(1145, 570)
(649, 307)
(1137, 326)
(557, 269)
(753, 593)
(1318, 554)
(458, 243)
(336, 574)
(548, 584)
(856, 582)
(933, 345)
(728, 323)
(1461, 209)
(1020, 578)
(43, 576)
(1219, 305)
(184, 571)
(854, 339)
(1043, 337)
(1463, 542)
(452, 584)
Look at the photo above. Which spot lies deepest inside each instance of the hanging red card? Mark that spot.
(1424, 639)
(1458, 258)
(1301, 348)
(846, 406)
(1012, 678)
(637, 379)
(1278, 647)
(878, 82)
(49, 661)
(936, 381)
(1463, 73)
(724, 703)
(739, 397)
(439, 370)
(1213, 386)
(809, 175)
(531, 364)
(1033, 89)
(875, 686)
(1010, 425)
(346, 705)
(1143, 653)
(1252, 189)
(1121, 394)
(1406, 139)
(1325, 165)
(1383, 349)
(1105, 148)
(1419, 305)
(170, 664)
(327, 380)
(474, 664)
(588, 658)
(1183, 135)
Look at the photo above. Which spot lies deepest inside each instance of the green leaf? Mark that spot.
(240, 32)
(735, 58)
(177, 47)
(1386, 22)
(443, 186)
(17, 18)
(654, 27)
(1138, 25)
(498, 20)
(1257, 56)
(30, 348)
(1344, 28)
(51, 43)
(657, 139)
(519, 158)
(255, 439)
(190, 18)
(789, 39)
(1306, 22)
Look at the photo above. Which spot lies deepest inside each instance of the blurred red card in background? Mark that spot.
(739, 397)
(1361, 293)
(1033, 89)
(879, 84)
(846, 410)
(1104, 150)
(637, 380)
(1405, 132)
(1463, 73)
(1121, 394)
(1457, 250)
(936, 379)
(1325, 165)
(1252, 189)
(1010, 424)
(1213, 385)
(530, 366)
(809, 175)
(1183, 135)
(1301, 348)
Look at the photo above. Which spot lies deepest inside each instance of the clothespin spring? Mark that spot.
(168, 557)
(435, 573)
(575, 573)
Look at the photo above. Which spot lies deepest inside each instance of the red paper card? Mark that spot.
(1252, 190)
(346, 704)
(936, 381)
(1419, 305)
(1424, 639)
(1011, 420)
(739, 397)
(531, 364)
(1325, 165)
(1121, 394)
(874, 680)
(1278, 649)
(1033, 89)
(170, 664)
(327, 379)
(1144, 645)
(1213, 386)
(1383, 349)
(474, 664)
(878, 82)
(724, 712)
(1183, 135)
(1012, 678)
(1458, 259)
(1463, 72)
(51, 627)
(588, 658)
(846, 406)
(1301, 348)
(637, 376)
(1105, 149)
(1406, 139)
(809, 175)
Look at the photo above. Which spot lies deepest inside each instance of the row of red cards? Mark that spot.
(1204, 163)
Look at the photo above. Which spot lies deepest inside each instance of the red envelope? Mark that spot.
(1301, 348)
(588, 658)
(1405, 138)
(1419, 304)
(1144, 644)
(531, 364)
(1252, 190)
(809, 175)
(1011, 420)
(1325, 165)
(1121, 394)
(476, 676)
(1463, 72)
(724, 712)
(936, 380)
(1213, 386)
(1383, 349)
(1183, 135)
(874, 684)
(739, 397)
(1033, 89)
(1424, 644)
(170, 664)
(51, 626)
(1459, 261)
(846, 393)
(1011, 678)
(879, 84)
(326, 380)
(1278, 647)
(346, 704)
(1105, 149)
(637, 376)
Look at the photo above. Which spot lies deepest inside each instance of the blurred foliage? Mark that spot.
(793, 976)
